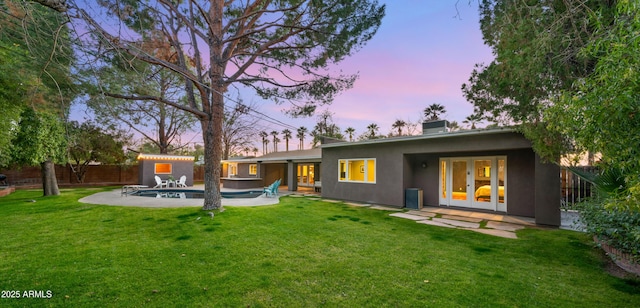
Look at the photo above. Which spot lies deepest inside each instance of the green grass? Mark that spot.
(298, 253)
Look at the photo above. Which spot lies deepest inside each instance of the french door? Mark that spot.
(474, 182)
(306, 174)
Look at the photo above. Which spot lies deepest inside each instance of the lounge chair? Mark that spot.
(272, 190)
(160, 183)
(182, 182)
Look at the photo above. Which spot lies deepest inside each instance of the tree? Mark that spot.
(472, 120)
(11, 100)
(255, 151)
(350, 131)
(40, 140)
(279, 49)
(434, 111)
(325, 128)
(454, 126)
(302, 131)
(238, 130)
(34, 74)
(264, 136)
(57, 5)
(34, 66)
(537, 47)
(156, 122)
(372, 131)
(286, 135)
(275, 140)
(602, 114)
(399, 124)
(88, 143)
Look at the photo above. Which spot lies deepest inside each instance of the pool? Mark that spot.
(192, 194)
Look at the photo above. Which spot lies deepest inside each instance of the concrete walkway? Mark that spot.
(486, 223)
(116, 198)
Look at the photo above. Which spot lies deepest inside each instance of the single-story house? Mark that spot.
(493, 170)
(299, 168)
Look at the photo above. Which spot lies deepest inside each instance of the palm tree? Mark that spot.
(246, 151)
(454, 126)
(434, 111)
(264, 136)
(350, 131)
(275, 140)
(472, 120)
(301, 132)
(372, 130)
(255, 151)
(287, 135)
(399, 124)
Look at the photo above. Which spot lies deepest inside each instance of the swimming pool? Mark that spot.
(192, 193)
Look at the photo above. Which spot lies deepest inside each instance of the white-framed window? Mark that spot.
(359, 170)
(253, 169)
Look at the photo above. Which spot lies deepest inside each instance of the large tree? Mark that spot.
(603, 114)
(40, 141)
(537, 55)
(280, 49)
(34, 77)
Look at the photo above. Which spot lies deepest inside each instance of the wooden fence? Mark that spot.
(96, 175)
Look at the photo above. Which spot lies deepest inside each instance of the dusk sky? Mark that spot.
(422, 54)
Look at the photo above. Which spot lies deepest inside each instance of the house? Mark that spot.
(300, 168)
(494, 170)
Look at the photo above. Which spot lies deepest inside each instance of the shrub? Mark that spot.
(618, 226)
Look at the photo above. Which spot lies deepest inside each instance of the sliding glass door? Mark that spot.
(473, 182)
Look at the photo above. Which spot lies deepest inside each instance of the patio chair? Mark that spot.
(272, 190)
(160, 183)
(182, 182)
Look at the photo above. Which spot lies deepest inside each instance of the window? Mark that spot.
(253, 169)
(357, 170)
(163, 168)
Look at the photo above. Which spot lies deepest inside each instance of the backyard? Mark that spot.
(301, 252)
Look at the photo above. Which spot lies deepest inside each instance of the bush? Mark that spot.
(618, 226)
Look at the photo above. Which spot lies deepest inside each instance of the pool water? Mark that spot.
(192, 194)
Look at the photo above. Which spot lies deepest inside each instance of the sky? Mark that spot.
(422, 53)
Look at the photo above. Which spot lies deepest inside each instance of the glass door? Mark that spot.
(305, 175)
(483, 185)
(459, 183)
(474, 182)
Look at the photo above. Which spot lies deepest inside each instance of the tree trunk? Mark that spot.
(49, 181)
(212, 158)
(212, 125)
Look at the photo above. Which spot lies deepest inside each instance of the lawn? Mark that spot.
(299, 253)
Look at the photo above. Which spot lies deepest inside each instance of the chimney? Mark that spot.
(435, 126)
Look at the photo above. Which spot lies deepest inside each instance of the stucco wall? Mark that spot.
(399, 165)
(179, 168)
